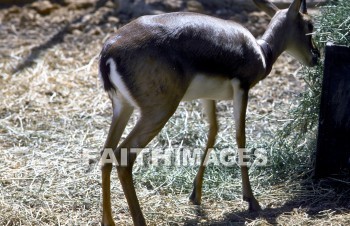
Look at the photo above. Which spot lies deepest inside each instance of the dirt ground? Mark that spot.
(54, 117)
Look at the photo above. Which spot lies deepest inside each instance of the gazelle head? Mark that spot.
(295, 27)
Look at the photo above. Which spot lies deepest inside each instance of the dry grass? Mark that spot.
(54, 117)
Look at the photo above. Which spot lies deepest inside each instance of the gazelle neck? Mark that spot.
(274, 40)
(268, 55)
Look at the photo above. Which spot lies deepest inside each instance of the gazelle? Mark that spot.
(155, 62)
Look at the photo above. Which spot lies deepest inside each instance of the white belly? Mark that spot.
(209, 87)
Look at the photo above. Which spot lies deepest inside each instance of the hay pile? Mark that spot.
(54, 118)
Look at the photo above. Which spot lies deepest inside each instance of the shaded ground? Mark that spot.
(54, 118)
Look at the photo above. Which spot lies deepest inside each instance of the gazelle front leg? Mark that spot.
(210, 111)
(240, 106)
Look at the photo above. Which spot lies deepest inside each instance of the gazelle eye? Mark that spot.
(311, 27)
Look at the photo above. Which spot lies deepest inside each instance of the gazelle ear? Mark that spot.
(303, 7)
(293, 9)
(266, 6)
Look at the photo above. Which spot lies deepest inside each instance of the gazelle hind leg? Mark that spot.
(122, 111)
(240, 106)
(210, 111)
(121, 115)
(148, 126)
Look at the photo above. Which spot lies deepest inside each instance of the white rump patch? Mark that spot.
(119, 84)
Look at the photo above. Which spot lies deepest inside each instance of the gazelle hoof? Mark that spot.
(253, 205)
(194, 199)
